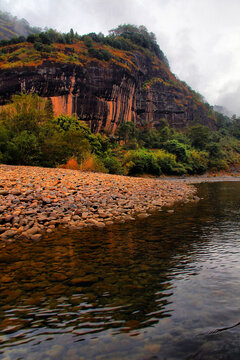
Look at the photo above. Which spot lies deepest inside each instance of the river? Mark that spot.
(163, 288)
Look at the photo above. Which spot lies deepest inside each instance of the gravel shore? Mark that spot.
(34, 200)
(197, 179)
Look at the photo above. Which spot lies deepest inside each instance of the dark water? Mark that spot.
(167, 287)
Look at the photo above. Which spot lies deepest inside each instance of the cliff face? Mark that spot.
(135, 87)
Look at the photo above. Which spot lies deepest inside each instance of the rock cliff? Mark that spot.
(131, 86)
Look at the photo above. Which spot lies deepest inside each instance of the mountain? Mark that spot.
(11, 26)
(105, 80)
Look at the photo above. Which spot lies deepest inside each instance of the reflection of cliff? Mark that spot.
(101, 281)
(130, 87)
(120, 278)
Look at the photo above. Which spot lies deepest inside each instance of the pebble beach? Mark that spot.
(35, 201)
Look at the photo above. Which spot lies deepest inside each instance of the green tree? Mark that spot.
(126, 131)
(174, 147)
(25, 112)
(24, 149)
(199, 136)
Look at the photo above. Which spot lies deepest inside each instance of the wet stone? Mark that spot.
(8, 234)
(31, 194)
(84, 281)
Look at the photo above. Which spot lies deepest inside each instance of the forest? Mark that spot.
(30, 134)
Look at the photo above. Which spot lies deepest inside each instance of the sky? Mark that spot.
(201, 38)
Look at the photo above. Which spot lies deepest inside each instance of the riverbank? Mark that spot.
(34, 200)
(216, 177)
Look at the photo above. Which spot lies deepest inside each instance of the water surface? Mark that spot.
(167, 287)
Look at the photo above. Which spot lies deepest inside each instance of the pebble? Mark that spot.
(43, 199)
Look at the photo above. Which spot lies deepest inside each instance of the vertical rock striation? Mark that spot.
(104, 94)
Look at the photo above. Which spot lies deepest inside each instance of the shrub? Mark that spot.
(177, 148)
(215, 150)
(24, 149)
(71, 164)
(99, 54)
(199, 136)
(168, 163)
(141, 161)
(131, 144)
(42, 47)
(92, 163)
(197, 161)
(218, 164)
(126, 130)
(31, 38)
(112, 165)
(88, 41)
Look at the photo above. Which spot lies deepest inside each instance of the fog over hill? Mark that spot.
(11, 26)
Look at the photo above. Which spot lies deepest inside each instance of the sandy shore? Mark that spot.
(35, 200)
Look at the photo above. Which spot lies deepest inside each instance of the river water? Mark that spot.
(167, 287)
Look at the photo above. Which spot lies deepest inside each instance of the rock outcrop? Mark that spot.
(131, 87)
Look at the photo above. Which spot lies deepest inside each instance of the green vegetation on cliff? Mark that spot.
(31, 135)
(124, 37)
(45, 45)
(130, 51)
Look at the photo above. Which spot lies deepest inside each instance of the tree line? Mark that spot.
(124, 37)
(31, 135)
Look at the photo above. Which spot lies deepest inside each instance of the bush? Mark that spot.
(113, 165)
(168, 163)
(197, 161)
(42, 47)
(88, 41)
(139, 162)
(71, 164)
(99, 54)
(214, 150)
(131, 144)
(218, 165)
(199, 136)
(177, 148)
(24, 149)
(92, 162)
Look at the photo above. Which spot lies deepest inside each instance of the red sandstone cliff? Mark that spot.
(130, 87)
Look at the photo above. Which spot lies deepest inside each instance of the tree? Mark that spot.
(139, 35)
(199, 136)
(174, 147)
(126, 131)
(49, 108)
(25, 112)
(88, 41)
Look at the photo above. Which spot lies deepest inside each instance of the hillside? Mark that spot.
(11, 26)
(106, 104)
(104, 80)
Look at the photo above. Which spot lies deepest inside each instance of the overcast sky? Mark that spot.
(201, 38)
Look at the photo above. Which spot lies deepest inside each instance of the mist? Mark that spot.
(199, 38)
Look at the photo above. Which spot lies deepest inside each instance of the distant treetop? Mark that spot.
(126, 37)
(141, 36)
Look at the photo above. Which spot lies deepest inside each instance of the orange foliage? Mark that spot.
(88, 164)
(179, 102)
(71, 164)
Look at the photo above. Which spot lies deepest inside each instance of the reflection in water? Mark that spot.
(152, 289)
